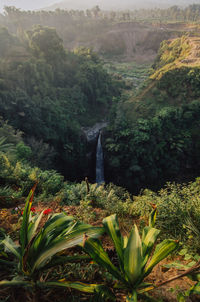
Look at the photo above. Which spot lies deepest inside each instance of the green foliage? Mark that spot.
(191, 270)
(21, 176)
(135, 256)
(153, 137)
(173, 82)
(7, 41)
(151, 151)
(9, 138)
(49, 94)
(85, 211)
(42, 154)
(23, 152)
(8, 196)
(12, 135)
(45, 43)
(38, 249)
(133, 73)
(182, 202)
(109, 197)
(177, 49)
(5, 147)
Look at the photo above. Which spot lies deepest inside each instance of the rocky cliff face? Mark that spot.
(132, 41)
(92, 133)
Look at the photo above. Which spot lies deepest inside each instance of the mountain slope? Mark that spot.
(175, 80)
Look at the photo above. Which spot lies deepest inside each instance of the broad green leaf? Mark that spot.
(58, 222)
(133, 259)
(25, 221)
(162, 251)
(95, 250)
(33, 226)
(54, 229)
(76, 237)
(191, 263)
(112, 228)
(181, 297)
(15, 283)
(182, 252)
(145, 287)
(149, 237)
(125, 241)
(177, 265)
(132, 297)
(195, 289)
(8, 263)
(36, 246)
(197, 257)
(11, 246)
(87, 288)
(188, 257)
(152, 218)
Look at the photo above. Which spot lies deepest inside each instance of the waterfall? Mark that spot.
(99, 162)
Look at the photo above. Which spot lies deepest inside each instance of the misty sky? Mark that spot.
(27, 4)
(83, 4)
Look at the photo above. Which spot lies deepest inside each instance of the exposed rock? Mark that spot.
(130, 40)
(92, 132)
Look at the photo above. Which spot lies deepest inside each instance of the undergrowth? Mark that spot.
(179, 210)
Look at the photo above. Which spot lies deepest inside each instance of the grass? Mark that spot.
(134, 74)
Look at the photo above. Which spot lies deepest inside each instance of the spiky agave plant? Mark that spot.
(135, 255)
(38, 248)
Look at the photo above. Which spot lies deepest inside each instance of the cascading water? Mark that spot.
(99, 162)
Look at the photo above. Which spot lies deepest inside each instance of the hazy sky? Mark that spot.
(27, 4)
(83, 4)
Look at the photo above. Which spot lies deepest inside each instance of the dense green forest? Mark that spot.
(49, 94)
(154, 135)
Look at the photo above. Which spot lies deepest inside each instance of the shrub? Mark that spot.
(112, 198)
(176, 203)
(22, 176)
(40, 249)
(23, 152)
(136, 255)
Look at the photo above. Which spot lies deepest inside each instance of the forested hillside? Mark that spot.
(49, 94)
(62, 96)
(154, 135)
